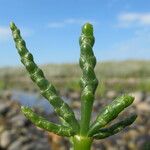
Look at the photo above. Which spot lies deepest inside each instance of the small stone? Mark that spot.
(120, 142)
(132, 146)
(111, 94)
(143, 106)
(75, 104)
(40, 146)
(37, 145)
(28, 147)
(143, 142)
(139, 96)
(133, 134)
(6, 139)
(2, 128)
(11, 113)
(19, 121)
(15, 145)
(19, 143)
(74, 95)
(147, 99)
(96, 105)
(141, 129)
(3, 108)
(7, 95)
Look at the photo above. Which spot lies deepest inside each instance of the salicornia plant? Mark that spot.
(80, 132)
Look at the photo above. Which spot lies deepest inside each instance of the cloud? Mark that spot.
(136, 47)
(26, 32)
(70, 21)
(113, 3)
(133, 19)
(5, 33)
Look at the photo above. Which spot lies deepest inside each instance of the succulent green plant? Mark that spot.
(80, 132)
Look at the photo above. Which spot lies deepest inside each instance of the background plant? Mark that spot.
(81, 133)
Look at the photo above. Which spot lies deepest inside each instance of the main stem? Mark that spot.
(88, 80)
(82, 143)
(89, 84)
(86, 109)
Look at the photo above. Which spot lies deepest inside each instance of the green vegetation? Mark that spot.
(133, 76)
(2, 85)
(81, 132)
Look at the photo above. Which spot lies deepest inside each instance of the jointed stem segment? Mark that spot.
(88, 80)
(46, 125)
(47, 89)
(110, 112)
(81, 134)
(106, 132)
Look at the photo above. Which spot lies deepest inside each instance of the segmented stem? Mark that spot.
(46, 88)
(81, 135)
(88, 80)
(114, 129)
(46, 125)
(110, 112)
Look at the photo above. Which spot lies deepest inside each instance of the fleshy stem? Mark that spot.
(88, 80)
(82, 143)
(46, 88)
(81, 135)
(115, 128)
(110, 112)
(41, 122)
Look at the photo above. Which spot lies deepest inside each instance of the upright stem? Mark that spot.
(88, 80)
(86, 109)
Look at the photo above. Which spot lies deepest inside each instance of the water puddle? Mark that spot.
(32, 100)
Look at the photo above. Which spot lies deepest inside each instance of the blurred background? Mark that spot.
(51, 29)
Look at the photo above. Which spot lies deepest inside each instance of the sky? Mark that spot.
(51, 29)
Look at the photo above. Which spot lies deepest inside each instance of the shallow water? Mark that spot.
(32, 100)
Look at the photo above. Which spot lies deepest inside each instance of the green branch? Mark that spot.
(110, 112)
(46, 125)
(47, 89)
(106, 132)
